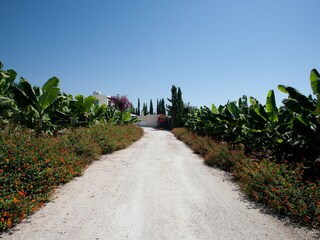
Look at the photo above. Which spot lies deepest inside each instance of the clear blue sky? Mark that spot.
(214, 51)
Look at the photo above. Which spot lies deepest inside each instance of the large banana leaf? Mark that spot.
(315, 85)
(315, 82)
(89, 102)
(84, 104)
(7, 79)
(258, 109)
(6, 103)
(234, 110)
(271, 107)
(214, 109)
(227, 115)
(292, 104)
(50, 93)
(28, 91)
(48, 97)
(295, 94)
(33, 112)
(22, 100)
(51, 83)
(243, 101)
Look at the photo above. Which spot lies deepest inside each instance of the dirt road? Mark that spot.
(155, 189)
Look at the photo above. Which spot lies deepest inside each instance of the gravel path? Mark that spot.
(155, 189)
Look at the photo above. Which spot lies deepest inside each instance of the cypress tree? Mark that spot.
(162, 107)
(151, 107)
(138, 109)
(180, 108)
(176, 108)
(158, 106)
(133, 110)
(145, 109)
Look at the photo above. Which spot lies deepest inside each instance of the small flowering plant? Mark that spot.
(121, 103)
(32, 166)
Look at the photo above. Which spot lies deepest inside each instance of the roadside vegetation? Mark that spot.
(278, 185)
(48, 137)
(47, 110)
(272, 152)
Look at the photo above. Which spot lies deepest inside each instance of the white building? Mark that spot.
(148, 120)
(102, 99)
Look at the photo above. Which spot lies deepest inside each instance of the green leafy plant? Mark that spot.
(34, 102)
(288, 133)
(46, 110)
(7, 105)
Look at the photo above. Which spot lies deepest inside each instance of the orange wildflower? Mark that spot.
(9, 224)
(21, 193)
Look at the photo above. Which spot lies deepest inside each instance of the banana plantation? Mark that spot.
(290, 133)
(47, 110)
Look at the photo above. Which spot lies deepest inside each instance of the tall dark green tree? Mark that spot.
(180, 109)
(176, 108)
(151, 107)
(158, 107)
(145, 109)
(138, 108)
(133, 109)
(162, 107)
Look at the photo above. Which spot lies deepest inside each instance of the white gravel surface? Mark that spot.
(155, 189)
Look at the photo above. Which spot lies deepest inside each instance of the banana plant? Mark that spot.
(7, 109)
(97, 114)
(304, 119)
(34, 102)
(302, 108)
(222, 123)
(80, 109)
(264, 125)
(195, 121)
(7, 78)
(315, 86)
(228, 122)
(60, 112)
(214, 121)
(7, 105)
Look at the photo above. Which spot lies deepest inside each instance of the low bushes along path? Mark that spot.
(155, 189)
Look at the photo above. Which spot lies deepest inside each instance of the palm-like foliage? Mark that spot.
(291, 132)
(34, 102)
(46, 109)
(7, 104)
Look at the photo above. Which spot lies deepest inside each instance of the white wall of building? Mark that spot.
(148, 121)
(102, 99)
